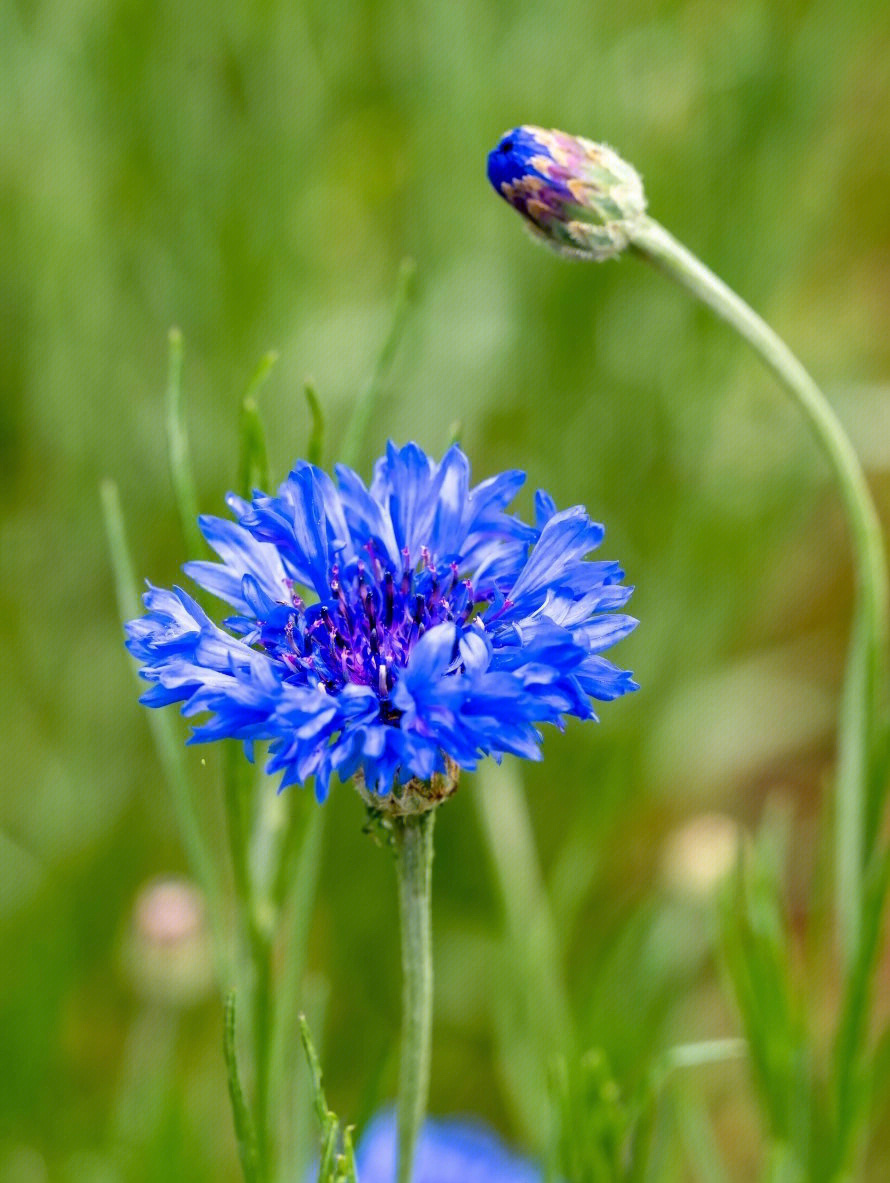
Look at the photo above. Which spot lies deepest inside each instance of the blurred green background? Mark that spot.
(254, 174)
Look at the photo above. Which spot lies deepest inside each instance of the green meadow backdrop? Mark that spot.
(255, 174)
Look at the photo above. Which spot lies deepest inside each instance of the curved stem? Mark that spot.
(414, 863)
(864, 684)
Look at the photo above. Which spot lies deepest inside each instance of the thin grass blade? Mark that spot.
(244, 1132)
(168, 744)
(178, 449)
(366, 403)
(315, 446)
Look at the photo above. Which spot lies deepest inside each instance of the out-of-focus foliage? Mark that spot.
(255, 175)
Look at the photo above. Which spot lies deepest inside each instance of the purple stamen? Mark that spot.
(371, 623)
(388, 595)
(375, 561)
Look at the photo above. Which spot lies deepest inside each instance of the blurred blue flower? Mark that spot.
(390, 631)
(448, 1151)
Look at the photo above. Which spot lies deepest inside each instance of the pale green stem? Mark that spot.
(414, 863)
(865, 677)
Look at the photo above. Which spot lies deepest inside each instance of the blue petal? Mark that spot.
(402, 484)
(241, 555)
(565, 539)
(446, 532)
(368, 519)
(306, 524)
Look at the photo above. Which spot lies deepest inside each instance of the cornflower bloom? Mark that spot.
(393, 633)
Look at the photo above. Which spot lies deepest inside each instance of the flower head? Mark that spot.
(449, 1151)
(393, 633)
(578, 196)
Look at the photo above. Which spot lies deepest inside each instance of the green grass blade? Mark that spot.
(260, 376)
(333, 1167)
(530, 943)
(253, 465)
(697, 1136)
(168, 743)
(327, 1168)
(366, 403)
(253, 462)
(855, 736)
(322, 1112)
(299, 908)
(678, 1058)
(755, 955)
(315, 446)
(245, 1134)
(506, 824)
(178, 450)
(850, 1075)
(349, 1171)
(299, 1140)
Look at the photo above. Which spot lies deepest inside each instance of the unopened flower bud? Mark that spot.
(581, 198)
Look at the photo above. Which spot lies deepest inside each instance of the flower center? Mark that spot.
(364, 631)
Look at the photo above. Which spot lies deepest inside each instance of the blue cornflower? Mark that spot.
(448, 1151)
(393, 633)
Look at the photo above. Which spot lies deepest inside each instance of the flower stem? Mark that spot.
(864, 684)
(414, 863)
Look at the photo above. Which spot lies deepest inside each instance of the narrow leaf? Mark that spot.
(350, 1173)
(327, 1167)
(253, 466)
(321, 1105)
(303, 881)
(533, 978)
(178, 449)
(855, 730)
(261, 374)
(244, 1131)
(363, 410)
(168, 744)
(851, 1075)
(315, 446)
(699, 1141)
